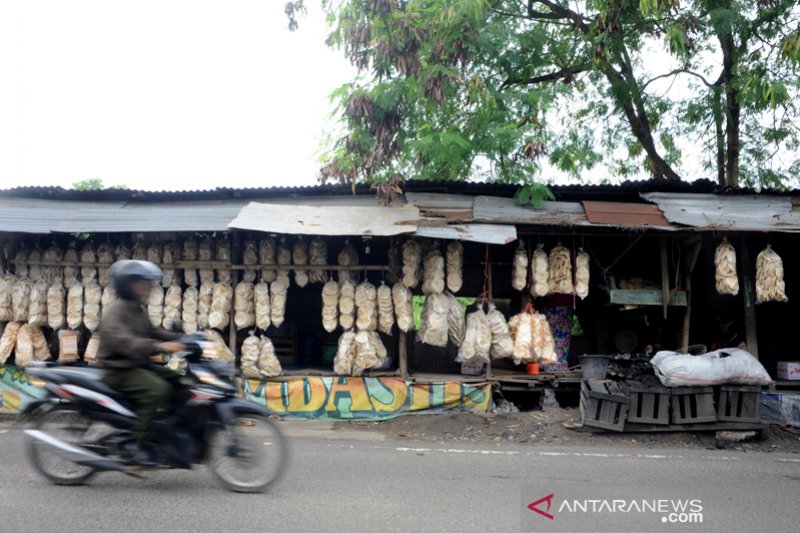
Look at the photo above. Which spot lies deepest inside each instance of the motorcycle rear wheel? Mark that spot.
(66, 424)
(258, 459)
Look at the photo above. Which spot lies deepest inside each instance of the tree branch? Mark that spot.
(679, 71)
(564, 73)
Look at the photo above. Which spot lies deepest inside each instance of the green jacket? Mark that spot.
(127, 338)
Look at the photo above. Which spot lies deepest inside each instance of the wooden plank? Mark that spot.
(631, 427)
(402, 353)
(665, 296)
(327, 220)
(646, 297)
(687, 317)
(484, 233)
(748, 277)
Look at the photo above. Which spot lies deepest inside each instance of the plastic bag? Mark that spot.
(434, 329)
(729, 365)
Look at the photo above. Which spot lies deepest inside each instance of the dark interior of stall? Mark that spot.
(593, 325)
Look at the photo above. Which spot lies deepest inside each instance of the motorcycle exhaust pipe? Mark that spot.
(73, 453)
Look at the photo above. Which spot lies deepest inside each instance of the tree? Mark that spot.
(94, 184)
(500, 89)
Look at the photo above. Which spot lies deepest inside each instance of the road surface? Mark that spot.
(342, 481)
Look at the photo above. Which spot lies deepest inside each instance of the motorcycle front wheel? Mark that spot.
(250, 455)
(71, 426)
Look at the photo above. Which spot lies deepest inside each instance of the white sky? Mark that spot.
(162, 94)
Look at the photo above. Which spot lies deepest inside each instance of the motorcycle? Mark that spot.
(85, 427)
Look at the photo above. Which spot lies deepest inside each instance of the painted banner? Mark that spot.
(16, 390)
(312, 397)
(362, 397)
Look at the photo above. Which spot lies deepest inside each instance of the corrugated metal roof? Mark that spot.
(484, 233)
(327, 220)
(506, 210)
(711, 212)
(24, 215)
(628, 190)
(626, 215)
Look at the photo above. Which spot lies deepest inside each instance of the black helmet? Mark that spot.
(128, 271)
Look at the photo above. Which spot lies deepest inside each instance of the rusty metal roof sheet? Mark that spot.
(709, 212)
(626, 215)
(490, 209)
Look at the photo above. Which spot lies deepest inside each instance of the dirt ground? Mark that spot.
(558, 427)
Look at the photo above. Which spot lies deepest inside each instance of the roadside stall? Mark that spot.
(329, 305)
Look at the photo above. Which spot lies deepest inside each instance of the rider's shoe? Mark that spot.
(140, 455)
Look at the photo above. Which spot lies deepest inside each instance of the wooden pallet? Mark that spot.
(739, 404)
(649, 406)
(693, 405)
(602, 407)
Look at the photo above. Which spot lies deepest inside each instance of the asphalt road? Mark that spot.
(359, 482)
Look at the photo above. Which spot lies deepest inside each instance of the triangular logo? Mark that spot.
(534, 506)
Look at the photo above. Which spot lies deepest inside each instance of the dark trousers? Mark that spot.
(150, 388)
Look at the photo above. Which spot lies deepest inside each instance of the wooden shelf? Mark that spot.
(646, 297)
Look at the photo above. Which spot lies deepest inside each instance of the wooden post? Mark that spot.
(665, 294)
(687, 317)
(402, 353)
(751, 332)
(235, 254)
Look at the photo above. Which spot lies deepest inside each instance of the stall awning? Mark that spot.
(327, 220)
(484, 233)
(23, 215)
(710, 212)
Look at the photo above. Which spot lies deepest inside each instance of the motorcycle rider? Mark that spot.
(128, 339)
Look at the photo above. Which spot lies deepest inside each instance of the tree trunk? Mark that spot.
(732, 111)
(719, 135)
